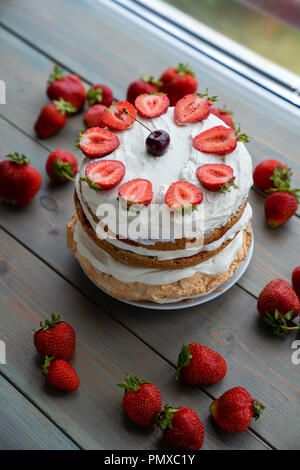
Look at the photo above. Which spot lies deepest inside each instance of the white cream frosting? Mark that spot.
(180, 162)
(168, 255)
(105, 263)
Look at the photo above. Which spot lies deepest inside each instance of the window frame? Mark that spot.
(214, 45)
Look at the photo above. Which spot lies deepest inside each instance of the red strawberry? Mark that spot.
(55, 338)
(52, 118)
(278, 303)
(234, 410)
(216, 177)
(280, 206)
(61, 166)
(296, 280)
(178, 82)
(151, 106)
(200, 365)
(182, 194)
(142, 400)
(19, 181)
(68, 87)
(224, 114)
(192, 108)
(115, 118)
(100, 94)
(60, 374)
(96, 142)
(218, 139)
(143, 85)
(138, 191)
(271, 174)
(104, 174)
(93, 117)
(181, 427)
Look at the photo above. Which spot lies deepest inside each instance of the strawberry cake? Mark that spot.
(183, 162)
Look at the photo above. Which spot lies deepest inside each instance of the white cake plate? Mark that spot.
(199, 299)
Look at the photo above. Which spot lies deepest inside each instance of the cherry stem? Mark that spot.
(126, 112)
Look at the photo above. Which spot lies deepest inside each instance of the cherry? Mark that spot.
(157, 141)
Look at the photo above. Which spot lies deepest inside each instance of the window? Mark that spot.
(270, 28)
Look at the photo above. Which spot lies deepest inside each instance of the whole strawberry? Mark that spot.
(55, 338)
(280, 206)
(68, 87)
(296, 280)
(93, 117)
(271, 174)
(142, 400)
(278, 304)
(234, 410)
(19, 181)
(53, 118)
(60, 374)
(178, 82)
(200, 365)
(100, 94)
(181, 427)
(224, 114)
(139, 87)
(61, 166)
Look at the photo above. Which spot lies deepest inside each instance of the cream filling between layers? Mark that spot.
(102, 261)
(180, 162)
(168, 255)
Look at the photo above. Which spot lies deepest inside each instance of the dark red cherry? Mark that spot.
(157, 142)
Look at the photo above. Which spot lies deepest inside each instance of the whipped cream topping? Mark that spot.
(102, 261)
(168, 255)
(180, 162)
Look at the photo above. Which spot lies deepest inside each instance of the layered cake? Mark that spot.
(181, 160)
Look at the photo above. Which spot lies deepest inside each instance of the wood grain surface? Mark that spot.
(23, 427)
(38, 273)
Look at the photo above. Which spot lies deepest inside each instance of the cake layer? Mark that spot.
(178, 244)
(143, 257)
(180, 162)
(140, 284)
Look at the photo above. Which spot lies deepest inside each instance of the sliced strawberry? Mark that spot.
(182, 193)
(191, 108)
(216, 176)
(115, 118)
(96, 142)
(151, 106)
(104, 174)
(224, 114)
(138, 191)
(218, 139)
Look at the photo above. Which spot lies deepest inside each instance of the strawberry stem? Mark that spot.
(55, 319)
(46, 365)
(257, 409)
(183, 69)
(132, 383)
(64, 106)
(63, 170)
(18, 159)
(95, 95)
(56, 74)
(164, 418)
(183, 359)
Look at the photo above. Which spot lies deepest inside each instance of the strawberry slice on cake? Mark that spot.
(104, 174)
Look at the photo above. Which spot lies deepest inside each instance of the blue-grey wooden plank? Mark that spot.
(24, 427)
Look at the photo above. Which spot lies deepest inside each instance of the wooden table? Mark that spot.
(38, 274)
